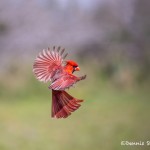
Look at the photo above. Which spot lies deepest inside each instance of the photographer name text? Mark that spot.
(135, 143)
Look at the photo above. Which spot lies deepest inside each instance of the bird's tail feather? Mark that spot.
(63, 104)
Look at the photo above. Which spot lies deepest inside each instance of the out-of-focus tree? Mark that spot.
(114, 34)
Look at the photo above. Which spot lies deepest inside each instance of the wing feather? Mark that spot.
(65, 81)
(58, 49)
(61, 53)
(47, 63)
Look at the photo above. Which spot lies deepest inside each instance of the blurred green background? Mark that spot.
(110, 40)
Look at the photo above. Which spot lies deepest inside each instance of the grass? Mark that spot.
(108, 116)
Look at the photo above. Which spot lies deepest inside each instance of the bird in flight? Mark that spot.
(50, 65)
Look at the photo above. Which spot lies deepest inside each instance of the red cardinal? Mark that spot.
(49, 65)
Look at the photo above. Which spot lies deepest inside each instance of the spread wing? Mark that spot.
(65, 81)
(47, 63)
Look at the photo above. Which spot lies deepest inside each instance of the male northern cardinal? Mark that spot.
(49, 65)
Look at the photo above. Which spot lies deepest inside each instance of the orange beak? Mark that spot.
(77, 69)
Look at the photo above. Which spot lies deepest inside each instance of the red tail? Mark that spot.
(63, 104)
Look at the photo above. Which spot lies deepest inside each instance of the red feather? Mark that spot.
(48, 66)
(63, 104)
